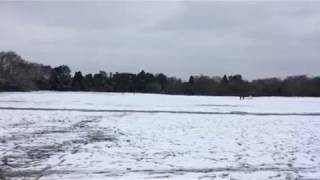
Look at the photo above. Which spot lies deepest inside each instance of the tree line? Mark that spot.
(144, 82)
(39, 77)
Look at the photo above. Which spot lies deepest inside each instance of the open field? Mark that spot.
(71, 135)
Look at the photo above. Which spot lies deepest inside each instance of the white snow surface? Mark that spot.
(84, 135)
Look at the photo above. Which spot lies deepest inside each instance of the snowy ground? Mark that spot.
(50, 135)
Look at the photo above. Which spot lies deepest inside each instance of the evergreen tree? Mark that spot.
(225, 79)
(88, 82)
(140, 82)
(77, 82)
(60, 78)
(191, 80)
(99, 81)
(163, 80)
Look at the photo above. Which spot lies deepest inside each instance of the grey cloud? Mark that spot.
(256, 39)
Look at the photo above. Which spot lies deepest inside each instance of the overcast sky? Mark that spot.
(255, 39)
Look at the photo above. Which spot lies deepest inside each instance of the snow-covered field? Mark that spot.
(72, 135)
